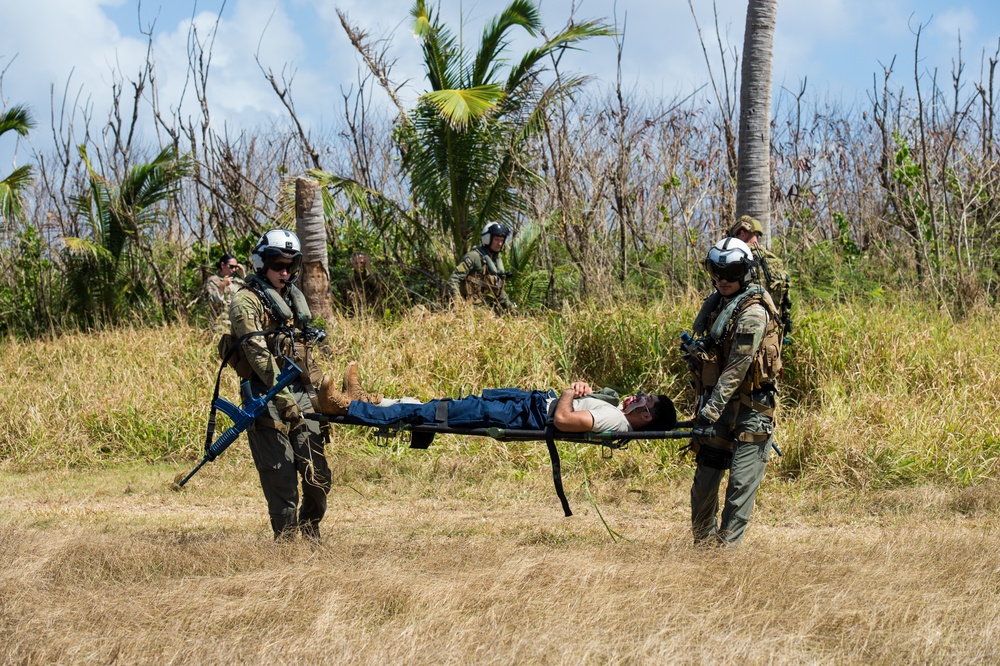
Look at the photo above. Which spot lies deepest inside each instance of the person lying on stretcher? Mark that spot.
(578, 409)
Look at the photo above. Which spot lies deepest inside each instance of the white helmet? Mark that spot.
(494, 229)
(731, 260)
(274, 245)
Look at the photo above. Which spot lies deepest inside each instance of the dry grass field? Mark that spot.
(875, 538)
(435, 565)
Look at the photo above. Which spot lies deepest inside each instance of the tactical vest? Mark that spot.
(488, 281)
(278, 314)
(765, 368)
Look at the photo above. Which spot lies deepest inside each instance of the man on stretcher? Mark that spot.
(578, 409)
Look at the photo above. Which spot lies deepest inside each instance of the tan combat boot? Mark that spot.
(352, 386)
(330, 400)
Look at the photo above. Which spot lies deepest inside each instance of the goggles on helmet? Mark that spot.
(734, 272)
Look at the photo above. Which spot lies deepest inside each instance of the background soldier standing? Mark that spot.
(736, 375)
(480, 275)
(221, 287)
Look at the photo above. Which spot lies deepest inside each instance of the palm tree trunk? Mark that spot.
(753, 179)
(311, 231)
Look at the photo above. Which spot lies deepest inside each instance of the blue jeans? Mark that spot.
(503, 408)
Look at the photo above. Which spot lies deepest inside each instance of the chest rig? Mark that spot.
(292, 318)
(489, 280)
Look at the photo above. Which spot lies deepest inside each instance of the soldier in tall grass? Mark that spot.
(736, 373)
(480, 276)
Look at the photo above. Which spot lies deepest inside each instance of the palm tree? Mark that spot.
(17, 119)
(464, 145)
(104, 270)
(753, 179)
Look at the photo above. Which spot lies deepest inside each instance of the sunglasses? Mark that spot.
(233, 266)
(280, 268)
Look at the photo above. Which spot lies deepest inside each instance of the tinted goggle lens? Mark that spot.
(280, 263)
(728, 272)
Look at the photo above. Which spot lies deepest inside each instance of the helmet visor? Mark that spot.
(733, 272)
(278, 262)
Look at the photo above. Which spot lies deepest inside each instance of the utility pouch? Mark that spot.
(235, 359)
(713, 457)
(710, 369)
(301, 354)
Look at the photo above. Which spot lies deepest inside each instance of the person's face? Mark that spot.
(278, 272)
(228, 267)
(496, 243)
(639, 407)
(640, 402)
(726, 288)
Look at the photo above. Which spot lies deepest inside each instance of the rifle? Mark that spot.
(242, 418)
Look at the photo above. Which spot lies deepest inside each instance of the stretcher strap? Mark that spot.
(550, 442)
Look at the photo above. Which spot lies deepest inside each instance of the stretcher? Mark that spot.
(421, 437)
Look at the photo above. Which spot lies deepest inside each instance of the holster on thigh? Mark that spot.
(714, 457)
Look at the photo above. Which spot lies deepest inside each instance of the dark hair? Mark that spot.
(223, 259)
(664, 415)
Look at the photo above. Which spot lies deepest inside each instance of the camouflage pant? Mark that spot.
(281, 460)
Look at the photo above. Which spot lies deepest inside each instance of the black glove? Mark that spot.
(702, 427)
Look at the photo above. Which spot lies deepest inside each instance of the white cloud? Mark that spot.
(837, 44)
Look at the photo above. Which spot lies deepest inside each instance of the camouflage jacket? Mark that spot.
(220, 297)
(776, 280)
(247, 313)
(481, 278)
(745, 332)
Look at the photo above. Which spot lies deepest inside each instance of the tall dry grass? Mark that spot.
(875, 395)
(870, 543)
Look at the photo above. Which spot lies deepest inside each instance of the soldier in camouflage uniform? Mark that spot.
(480, 275)
(221, 287)
(285, 446)
(736, 378)
(770, 271)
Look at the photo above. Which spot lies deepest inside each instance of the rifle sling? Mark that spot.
(210, 428)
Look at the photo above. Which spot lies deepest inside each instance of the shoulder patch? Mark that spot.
(743, 345)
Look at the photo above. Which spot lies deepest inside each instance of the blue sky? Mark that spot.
(835, 45)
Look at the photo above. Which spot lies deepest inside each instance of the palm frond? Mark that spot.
(460, 107)
(18, 119)
(86, 249)
(11, 188)
(568, 38)
(519, 13)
